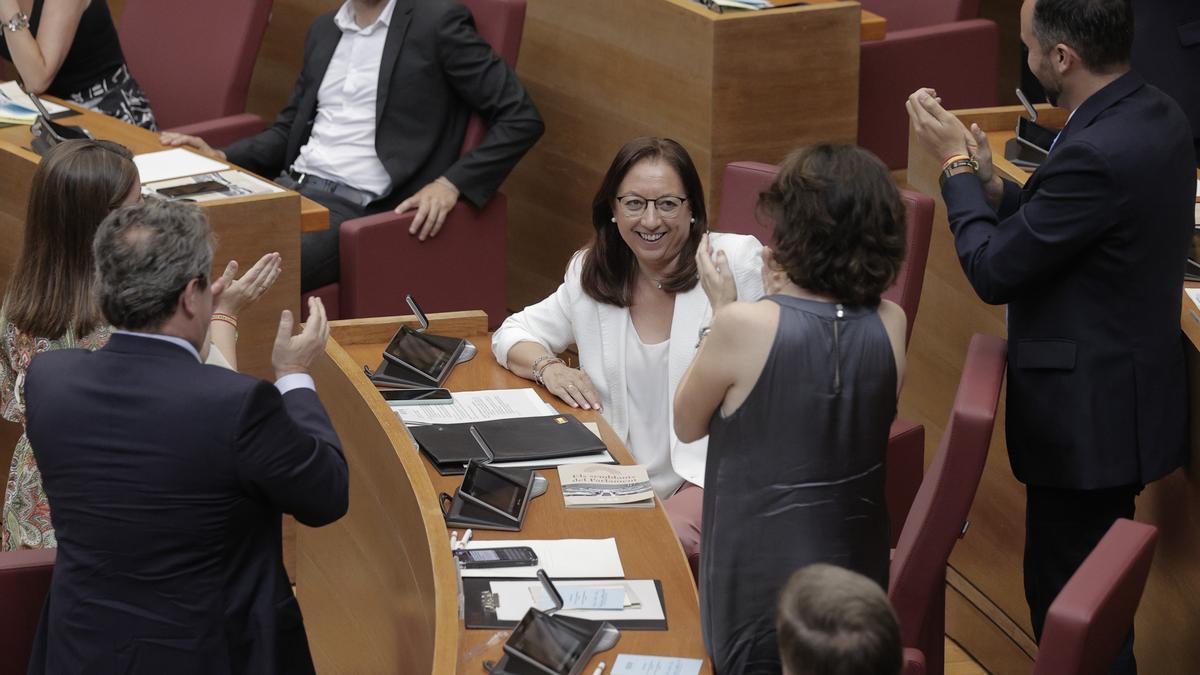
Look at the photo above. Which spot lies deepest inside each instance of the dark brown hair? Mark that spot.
(76, 185)
(833, 621)
(839, 222)
(609, 267)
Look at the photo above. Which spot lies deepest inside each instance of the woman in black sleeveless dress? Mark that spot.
(797, 393)
(69, 49)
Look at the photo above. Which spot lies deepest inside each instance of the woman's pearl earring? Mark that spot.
(693, 221)
(613, 219)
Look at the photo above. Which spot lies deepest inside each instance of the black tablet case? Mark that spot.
(451, 446)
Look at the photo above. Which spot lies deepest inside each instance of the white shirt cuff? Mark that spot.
(295, 381)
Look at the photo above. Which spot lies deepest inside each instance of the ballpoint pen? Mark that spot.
(599, 668)
(466, 538)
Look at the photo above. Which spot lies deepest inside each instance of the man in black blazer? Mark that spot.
(1166, 51)
(1089, 256)
(423, 69)
(167, 477)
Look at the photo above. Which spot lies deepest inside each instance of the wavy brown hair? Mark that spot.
(839, 222)
(609, 268)
(76, 185)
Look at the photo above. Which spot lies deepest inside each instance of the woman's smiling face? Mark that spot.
(654, 237)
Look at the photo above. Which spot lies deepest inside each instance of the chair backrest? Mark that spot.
(24, 582)
(1088, 621)
(905, 14)
(193, 59)
(918, 224)
(501, 23)
(743, 181)
(913, 662)
(940, 508)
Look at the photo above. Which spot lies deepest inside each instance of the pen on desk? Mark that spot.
(454, 540)
(599, 669)
(466, 538)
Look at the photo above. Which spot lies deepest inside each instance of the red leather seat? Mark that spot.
(1088, 621)
(939, 512)
(930, 43)
(465, 265)
(24, 582)
(194, 60)
(741, 184)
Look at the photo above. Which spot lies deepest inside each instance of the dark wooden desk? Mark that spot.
(378, 587)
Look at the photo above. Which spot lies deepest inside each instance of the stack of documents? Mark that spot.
(16, 107)
(167, 164)
(587, 574)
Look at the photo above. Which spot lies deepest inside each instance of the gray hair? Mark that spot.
(146, 254)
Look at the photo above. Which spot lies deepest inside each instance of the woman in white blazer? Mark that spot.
(632, 303)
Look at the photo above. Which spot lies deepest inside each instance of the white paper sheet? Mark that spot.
(561, 558)
(635, 664)
(1194, 294)
(516, 597)
(478, 406)
(174, 163)
(10, 91)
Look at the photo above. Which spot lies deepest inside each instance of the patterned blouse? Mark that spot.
(26, 511)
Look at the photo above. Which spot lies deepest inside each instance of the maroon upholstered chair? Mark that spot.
(939, 512)
(741, 184)
(930, 43)
(1088, 621)
(24, 582)
(465, 265)
(195, 59)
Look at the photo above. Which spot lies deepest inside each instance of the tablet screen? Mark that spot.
(550, 643)
(418, 352)
(494, 490)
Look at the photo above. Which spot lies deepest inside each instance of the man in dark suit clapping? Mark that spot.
(1089, 256)
(167, 477)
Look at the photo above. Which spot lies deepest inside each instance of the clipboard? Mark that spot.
(479, 602)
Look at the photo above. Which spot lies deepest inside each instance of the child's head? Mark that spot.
(836, 622)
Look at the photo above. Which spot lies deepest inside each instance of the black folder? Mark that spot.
(479, 607)
(451, 446)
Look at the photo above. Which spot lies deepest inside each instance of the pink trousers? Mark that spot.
(684, 510)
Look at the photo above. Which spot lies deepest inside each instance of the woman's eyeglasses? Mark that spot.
(633, 206)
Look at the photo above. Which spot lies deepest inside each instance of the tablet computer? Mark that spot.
(428, 358)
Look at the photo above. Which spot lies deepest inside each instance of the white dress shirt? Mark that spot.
(283, 384)
(341, 146)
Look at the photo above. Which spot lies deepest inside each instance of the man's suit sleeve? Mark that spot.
(489, 87)
(288, 452)
(1076, 201)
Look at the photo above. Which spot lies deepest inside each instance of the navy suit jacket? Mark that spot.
(1089, 256)
(1166, 51)
(435, 72)
(166, 480)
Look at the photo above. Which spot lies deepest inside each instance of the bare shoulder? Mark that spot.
(744, 315)
(892, 316)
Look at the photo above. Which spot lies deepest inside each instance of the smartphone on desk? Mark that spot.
(417, 396)
(511, 556)
(189, 189)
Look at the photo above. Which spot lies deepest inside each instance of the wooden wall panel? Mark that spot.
(728, 87)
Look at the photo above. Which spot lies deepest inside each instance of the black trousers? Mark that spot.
(1062, 526)
(319, 261)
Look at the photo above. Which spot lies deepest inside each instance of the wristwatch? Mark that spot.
(956, 167)
(19, 21)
